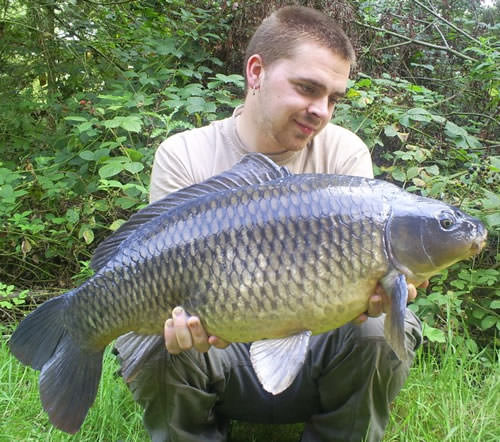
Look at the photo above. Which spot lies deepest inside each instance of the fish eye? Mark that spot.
(447, 222)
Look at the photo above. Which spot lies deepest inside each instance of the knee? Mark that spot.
(372, 330)
(364, 343)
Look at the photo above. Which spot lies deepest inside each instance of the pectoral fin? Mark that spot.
(395, 286)
(278, 361)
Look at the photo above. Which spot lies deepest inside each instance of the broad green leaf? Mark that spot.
(478, 313)
(7, 193)
(492, 200)
(134, 167)
(110, 169)
(131, 124)
(87, 155)
(84, 127)
(116, 224)
(412, 172)
(495, 304)
(495, 162)
(195, 105)
(433, 334)
(437, 188)
(454, 131)
(126, 203)
(111, 124)
(493, 220)
(75, 118)
(86, 233)
(398, 174)
(419, 114)
(390, 131)
(134, 155)
(488, 322)
(432, 170)
(419, 155)
(72, 216)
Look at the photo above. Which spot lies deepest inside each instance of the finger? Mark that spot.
(360, 319)
(217, 342)
(375, 306)
(412, 292)
(170, 337)
(198, 334)
(424, 285)
(182, 331)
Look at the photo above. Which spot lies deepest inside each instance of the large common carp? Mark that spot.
(256, 253)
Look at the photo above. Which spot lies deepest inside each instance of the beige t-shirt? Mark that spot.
(193, 156)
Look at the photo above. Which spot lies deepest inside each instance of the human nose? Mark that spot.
(320, 107)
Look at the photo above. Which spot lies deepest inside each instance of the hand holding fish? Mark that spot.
(379, 302)
(183, 332)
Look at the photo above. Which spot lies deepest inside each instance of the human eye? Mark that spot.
(306, 89)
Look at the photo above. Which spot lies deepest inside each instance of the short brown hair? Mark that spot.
(280, 33)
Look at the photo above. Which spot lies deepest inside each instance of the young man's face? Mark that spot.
(297, 96)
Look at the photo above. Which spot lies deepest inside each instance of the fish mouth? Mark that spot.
(477, 246)
(479, 243)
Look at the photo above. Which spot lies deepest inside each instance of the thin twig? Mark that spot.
(397, 45)
(418, 42)
(110, 3)
(473, 114)
(441, 34)
(461, 31)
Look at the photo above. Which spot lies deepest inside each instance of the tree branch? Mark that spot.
(461, 31)
(418, 42)
(110, 3)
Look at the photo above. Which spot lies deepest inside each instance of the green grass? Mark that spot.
(450, 396)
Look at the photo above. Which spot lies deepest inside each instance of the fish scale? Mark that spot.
(261, 256)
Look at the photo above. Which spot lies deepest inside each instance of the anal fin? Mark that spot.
(278, 361)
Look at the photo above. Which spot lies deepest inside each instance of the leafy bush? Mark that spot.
(87, 148)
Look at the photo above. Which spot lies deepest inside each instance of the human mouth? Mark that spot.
(307, 130)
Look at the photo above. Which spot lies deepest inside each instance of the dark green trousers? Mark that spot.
(343, 392)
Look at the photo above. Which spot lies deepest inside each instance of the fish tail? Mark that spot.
(70, 373)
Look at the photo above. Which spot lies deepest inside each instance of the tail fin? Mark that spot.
(69, 375)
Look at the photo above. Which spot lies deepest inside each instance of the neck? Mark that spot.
(250, 130)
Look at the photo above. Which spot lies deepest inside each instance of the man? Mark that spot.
(297, 67)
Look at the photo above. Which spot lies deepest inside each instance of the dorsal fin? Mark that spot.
(252, 169)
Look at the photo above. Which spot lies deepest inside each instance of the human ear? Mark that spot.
(254, 71)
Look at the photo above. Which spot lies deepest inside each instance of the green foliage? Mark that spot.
(88, 92)
(85, 145)
(9, 299)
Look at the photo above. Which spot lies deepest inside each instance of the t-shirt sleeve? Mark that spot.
(348, 154)
(359, 163)
(169, 172)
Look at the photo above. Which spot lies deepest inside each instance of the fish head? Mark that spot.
(425, 236)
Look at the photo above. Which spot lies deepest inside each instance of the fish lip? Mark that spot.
(477, 246)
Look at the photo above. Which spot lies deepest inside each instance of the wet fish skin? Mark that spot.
(236, 272)
(256, 253)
